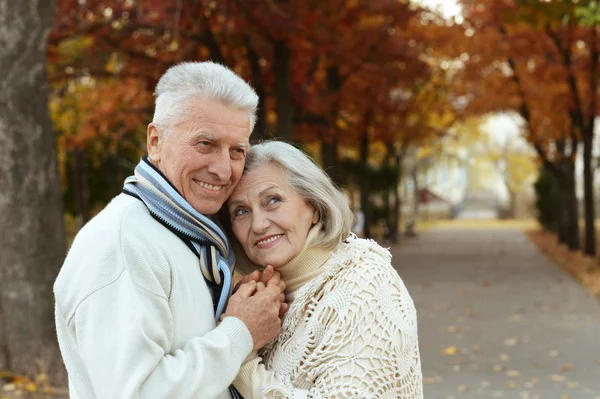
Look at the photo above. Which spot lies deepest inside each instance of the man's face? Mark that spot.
(203, 156)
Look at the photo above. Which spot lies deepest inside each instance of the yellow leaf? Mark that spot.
(567, 367)
(450, 351)
(557, 377)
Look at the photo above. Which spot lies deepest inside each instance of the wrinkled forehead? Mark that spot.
(257, 182)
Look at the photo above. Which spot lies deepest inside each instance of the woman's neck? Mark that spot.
(307, 264)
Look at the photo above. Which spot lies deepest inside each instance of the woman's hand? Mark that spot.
(266, 278)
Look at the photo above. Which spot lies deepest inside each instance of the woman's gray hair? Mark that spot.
(187, 81)
(312, 183)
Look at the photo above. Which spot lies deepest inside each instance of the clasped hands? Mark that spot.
(259, 302)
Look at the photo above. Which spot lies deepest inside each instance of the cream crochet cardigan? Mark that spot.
(350, 331)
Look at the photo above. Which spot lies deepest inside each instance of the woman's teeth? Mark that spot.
(268, 240)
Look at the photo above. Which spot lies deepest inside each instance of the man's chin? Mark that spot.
(207, 207)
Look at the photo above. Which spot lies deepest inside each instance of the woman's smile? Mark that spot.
(269, 241)
(268, 217)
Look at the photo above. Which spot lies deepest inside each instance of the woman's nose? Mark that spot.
(260, 222)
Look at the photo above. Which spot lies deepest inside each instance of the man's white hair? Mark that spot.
(187, 81)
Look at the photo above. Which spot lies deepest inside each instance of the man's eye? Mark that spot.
(239, 153)
(205, 143)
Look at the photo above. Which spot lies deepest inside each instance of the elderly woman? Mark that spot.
(351, 327)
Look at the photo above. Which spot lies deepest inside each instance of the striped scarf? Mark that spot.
(201, 234)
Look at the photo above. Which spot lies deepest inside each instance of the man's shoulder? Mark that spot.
(119, 238)
(120, 209)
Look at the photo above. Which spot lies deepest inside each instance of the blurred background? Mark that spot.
(424, 111)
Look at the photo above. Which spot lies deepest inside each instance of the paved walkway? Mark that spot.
(497, 319)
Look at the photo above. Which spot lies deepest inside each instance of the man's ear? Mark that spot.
(153, 143)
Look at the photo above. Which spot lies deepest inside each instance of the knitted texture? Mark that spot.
(351, 332)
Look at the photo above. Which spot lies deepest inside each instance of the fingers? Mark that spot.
(283, 307)
(255, 275)
(282, 285)
(267, 274)
(260, 286)
(275, 280)
(247, 289)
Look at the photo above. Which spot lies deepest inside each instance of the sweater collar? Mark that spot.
(307, 264)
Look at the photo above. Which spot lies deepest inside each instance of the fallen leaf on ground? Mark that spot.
(499, 368)
(450, 351)
(567, 367)
(557, 377)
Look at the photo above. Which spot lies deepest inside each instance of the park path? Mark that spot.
(497, 319)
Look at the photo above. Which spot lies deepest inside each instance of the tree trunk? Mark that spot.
(365, 205)
(329, 158)
(283, 91)
(416, 196)
(329, 144)
(588, 183)
(569, 214)
(80, 185)
(261, 129)
(32, 237)
(397, 203)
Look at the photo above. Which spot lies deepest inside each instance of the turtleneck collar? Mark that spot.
(307, 264)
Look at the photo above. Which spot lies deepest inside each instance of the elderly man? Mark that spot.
(143, 306)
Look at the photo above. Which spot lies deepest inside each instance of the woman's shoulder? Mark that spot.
(361, 258)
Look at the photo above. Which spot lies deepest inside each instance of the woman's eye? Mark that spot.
(273, 200)
(239, 212)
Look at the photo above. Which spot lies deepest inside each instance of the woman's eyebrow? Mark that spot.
(263, 192)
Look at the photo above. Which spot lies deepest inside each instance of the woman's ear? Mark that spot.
(315, 218)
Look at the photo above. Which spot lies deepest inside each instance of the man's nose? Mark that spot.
(221, 165)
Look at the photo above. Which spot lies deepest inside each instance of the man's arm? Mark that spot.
(124, 331)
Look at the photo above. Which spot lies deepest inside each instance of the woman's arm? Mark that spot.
(369, 347)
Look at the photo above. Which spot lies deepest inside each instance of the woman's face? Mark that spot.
(268, 217)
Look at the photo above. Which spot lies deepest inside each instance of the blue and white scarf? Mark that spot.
(201, 234)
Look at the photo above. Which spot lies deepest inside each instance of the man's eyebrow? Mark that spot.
(205, 136)
(208, 136)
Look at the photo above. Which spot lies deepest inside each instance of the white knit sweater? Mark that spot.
(350, 332)
(135, 318)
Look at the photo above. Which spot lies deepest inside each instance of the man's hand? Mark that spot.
(258, 310)
(268, 277)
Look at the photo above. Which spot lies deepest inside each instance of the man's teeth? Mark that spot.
(210, 186)
(268, 240)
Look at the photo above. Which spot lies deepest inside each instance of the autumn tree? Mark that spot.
(32, 239)
(300, 56)
(510, 64)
